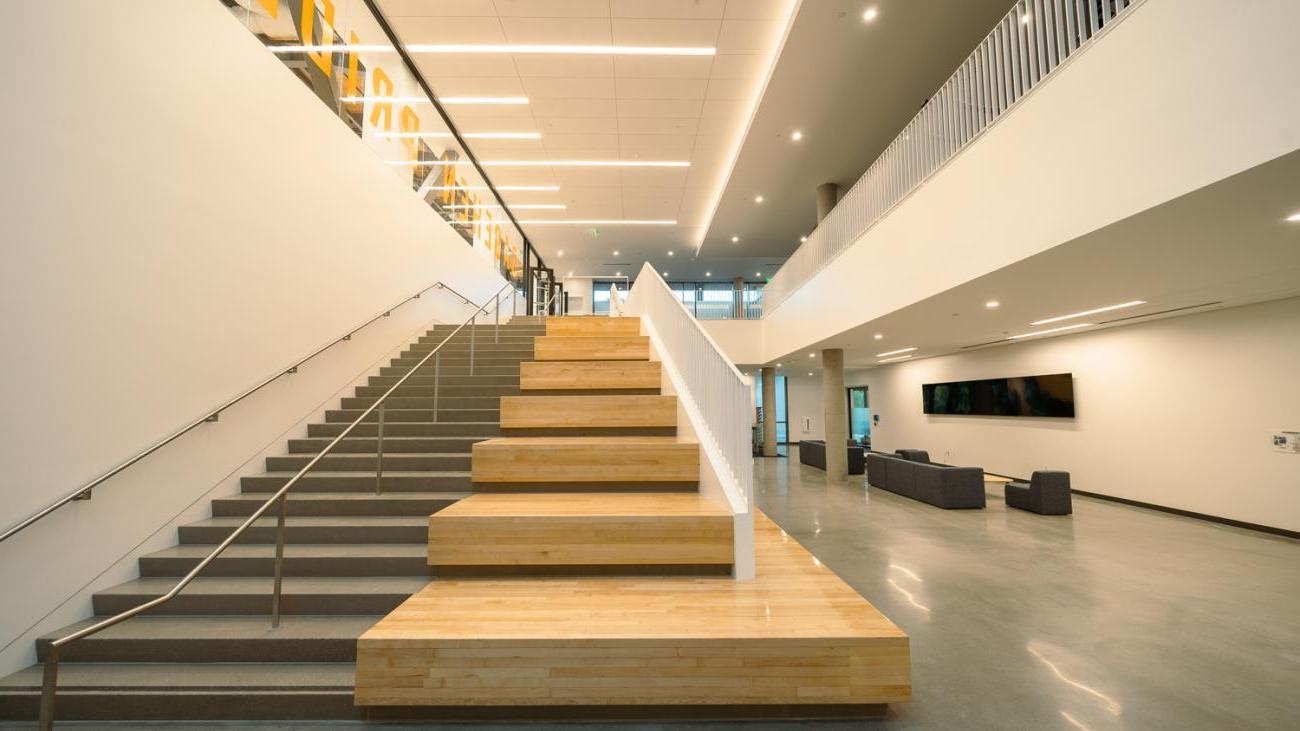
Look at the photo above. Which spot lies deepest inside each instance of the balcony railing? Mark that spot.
(1035, 38)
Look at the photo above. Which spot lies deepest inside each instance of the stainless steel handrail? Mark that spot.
(49, 683)
(83, 492)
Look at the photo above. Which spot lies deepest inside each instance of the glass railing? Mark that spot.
(342, 52)
(1031, 41)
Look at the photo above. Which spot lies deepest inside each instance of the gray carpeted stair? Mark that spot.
(351, 556)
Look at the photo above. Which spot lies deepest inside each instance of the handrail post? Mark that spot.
(379, 452)
(437, 373)
(496, 318)
(49, 684)
(473, 323)
(276, 590)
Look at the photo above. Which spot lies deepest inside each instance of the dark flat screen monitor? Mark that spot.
(1050, 395)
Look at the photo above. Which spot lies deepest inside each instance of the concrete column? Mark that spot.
(828, 194)
(768, 385)
(738, 297)
(837, 419)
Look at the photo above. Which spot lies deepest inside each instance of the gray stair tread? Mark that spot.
(259, 497)
(243, 677)
(228, 627)
(301, 550)
(316, 521)
(261, 586)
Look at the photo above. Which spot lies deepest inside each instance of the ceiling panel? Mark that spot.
(662, 67)
(552, 8)
(661, 88)
(566, 87)
(449, 30)
(651, 32)
(667, 8)
(577, 65)
(568, 31)
(395, 9)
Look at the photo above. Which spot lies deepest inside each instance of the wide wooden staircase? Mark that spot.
(588, 577)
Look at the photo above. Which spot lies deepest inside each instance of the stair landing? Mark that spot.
(796, 636)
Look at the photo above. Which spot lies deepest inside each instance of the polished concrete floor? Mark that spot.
(1112, 618)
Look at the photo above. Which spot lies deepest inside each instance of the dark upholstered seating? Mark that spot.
(913, 455)
(813, 453)
(1046, 493)
(919, 479)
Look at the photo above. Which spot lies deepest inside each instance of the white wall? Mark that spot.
(741, 340)
(183, 218)
(578, 287)
(1178, 95)
(1177, 412)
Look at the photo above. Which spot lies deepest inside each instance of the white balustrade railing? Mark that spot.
(1025, 46)
(713, 391)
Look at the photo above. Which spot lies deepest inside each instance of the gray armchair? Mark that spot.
(1046, 493)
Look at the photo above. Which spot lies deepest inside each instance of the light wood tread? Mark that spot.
(587, 326)
(557, 375)
(601, 347)
(575, 412)
(583, 505)
(561, 442)
(792, 597)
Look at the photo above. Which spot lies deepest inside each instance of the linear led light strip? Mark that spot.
(1049, 330)
(513, 207)
(894, 359)
(895, 352)
(1085, 313)
(466, 135)
(603, 222)
(551, 163)
(503, 48)
(446, 100)
(484, 187)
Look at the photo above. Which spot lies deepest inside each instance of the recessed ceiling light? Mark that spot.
(665, 274)
(560, 252)
(758, 199)
(778, 365)
(870, 14)
(1024, 19)
(796, 135)
(615, 253)
(895, 352)
(708, 274)
(735, 239)
(602, 222)
(812, 355)
(758, 274)
(1120, 306)
(670, 253)
(878, 336)
(1294, 218)
(894, 360)
(570, 274)
(618, 274)
(802, 239)
(1052, 330)
(991, 304)
(810, 373)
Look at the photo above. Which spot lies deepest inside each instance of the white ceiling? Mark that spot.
(605, 107)
(850, 87)
(1228, 243)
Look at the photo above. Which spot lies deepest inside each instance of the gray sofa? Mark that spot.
(813, 453)
(1046, 493)
(910, 473)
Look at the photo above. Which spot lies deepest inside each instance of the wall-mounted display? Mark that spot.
(1049, 395)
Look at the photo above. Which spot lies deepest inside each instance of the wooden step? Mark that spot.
(587, 412)
(589, 326)
(603, 347)
(796, 635)
(625, 375)
(582, 529)
(613, 460)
